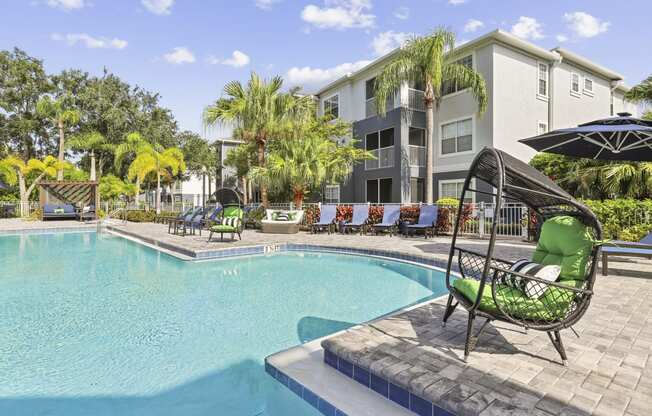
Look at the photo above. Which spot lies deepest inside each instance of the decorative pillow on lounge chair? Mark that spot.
(231, 221)
(533, 290)
(59, 211)
(283, 216)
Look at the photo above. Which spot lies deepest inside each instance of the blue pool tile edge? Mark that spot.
(384, 387)
(53, 230)
(304, 393)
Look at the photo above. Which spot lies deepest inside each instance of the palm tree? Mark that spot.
(240, 158)
(90, 142)
(129, 147)
(308, 158)
(641, 93)
(8, 173)
(49, 166)
(632, 180)
(60, 115)
(432, 61)
(257, 111)
(161, 162)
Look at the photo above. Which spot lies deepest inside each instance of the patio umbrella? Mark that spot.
(615, 138)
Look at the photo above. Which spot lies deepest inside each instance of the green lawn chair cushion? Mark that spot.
(566, 242)
(553, 305)
(233, 211)
(228, 225)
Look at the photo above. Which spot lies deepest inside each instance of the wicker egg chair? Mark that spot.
(569, 236)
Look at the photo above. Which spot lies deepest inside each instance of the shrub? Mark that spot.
(618, 214)
(148, 216)
(635, 232)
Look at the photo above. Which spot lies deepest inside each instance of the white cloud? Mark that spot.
(180, 55)
(238, 59)
(158, 6)
(266, 4)
(527, 28)
(584, 25)
(561, 38)
(67, 4)
(386, 42)
(312, 76)
(90, 41)
(340, 14)
(456, 2)
(402, 13)
(472, 25)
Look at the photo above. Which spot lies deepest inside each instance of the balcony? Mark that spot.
(370, 106)
(384, 158)
(415, 100)
(417, 155)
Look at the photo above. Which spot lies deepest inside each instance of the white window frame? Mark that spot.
(545, 96)
(473, 65)
(456, 181)
(323, 104)
(330, 200)
(542, 123)
(386, 147)
(473, 138)
(366, 182)
(586, 91)
(579, 84)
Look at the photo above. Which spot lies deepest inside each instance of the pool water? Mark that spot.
(93, 324)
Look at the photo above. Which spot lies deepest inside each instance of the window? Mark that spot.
(575, 83)
(379, 190)
(457, 137)
(417, 148)
(588, 86)
(542, 127)
(381, 144)
(332, 194)
(332, 106)
(417, 137)
(417, 189)
(543, 80)
(450, 87)
(453, 189)
(370, 89)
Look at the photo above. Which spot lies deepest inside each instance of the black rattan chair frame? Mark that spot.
(517, 181)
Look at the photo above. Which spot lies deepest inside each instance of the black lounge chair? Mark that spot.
(171, 221)
(389, 224)
(497, 289)
(427, 221)
(327, 215)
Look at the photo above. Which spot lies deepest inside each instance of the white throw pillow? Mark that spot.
(533, 290)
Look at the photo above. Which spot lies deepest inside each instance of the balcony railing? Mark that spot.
(417, 155)
(415, 100)
(384, 158)
(370, 106)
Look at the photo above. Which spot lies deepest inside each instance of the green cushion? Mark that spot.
(565, 241)
(219, 228)
(551, 306)
(233, 211)
(292, 216)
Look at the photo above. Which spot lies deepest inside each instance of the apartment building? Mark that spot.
(531, 90)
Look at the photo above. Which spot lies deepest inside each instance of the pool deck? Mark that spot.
(411, 359)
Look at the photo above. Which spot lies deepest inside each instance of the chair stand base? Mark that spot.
(555, 338)
(472, 340)
(450, 308)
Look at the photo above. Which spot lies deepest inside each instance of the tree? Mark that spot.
(34, 170)
(158, 161)
(59, 112)
(90, 142)
(258, 111)
(7, 173)
(307, 157)
(113, 188)
(632, 180)
(641, 93)
(129, 148)
(200, 157)
(431, 61)
(241, 158)
(22, 82)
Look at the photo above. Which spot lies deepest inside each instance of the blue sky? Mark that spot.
(188, 49)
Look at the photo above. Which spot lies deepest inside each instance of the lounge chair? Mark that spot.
(642, 248)
(197, 222)
(181, 222)
(231, 222)
(391, 216)
(87, 213)
(59, 212)
(327, 215)
(172, 220)
(427, 221)
(211, 218)
(359, 220)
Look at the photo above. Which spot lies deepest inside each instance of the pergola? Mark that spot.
(77, 193)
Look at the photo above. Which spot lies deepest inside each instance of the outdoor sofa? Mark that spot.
(59, 212)
(282, 222)
(642, 248)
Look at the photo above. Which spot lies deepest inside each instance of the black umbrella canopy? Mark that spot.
(615, 138)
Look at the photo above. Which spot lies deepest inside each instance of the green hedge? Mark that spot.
(147, 216)
(625, 219)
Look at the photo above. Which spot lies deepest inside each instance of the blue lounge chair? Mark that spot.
(327, 215)
(427, 221)
(359, 220)
(642, 248)
(181, 224)
(195, 222)
(391, 215)
(210, 218)
(172, 221)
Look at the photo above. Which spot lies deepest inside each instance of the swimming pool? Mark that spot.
(96, 324)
